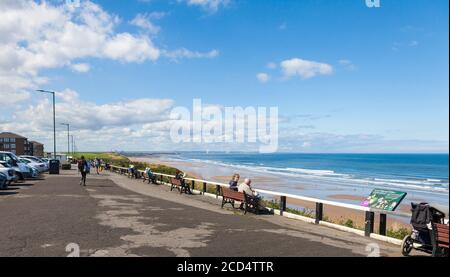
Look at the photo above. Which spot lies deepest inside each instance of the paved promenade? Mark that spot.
(117, 216)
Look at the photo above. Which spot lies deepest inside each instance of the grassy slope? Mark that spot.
(119, 160)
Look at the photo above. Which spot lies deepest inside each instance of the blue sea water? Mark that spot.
(417, 172)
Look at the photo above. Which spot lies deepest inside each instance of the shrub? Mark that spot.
(349, 223)
(398, 233)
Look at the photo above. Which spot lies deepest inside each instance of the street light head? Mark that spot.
(46, 91)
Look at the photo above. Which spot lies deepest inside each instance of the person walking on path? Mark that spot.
(97, 165)
(83, 167)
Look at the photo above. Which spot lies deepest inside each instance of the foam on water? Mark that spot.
(330, 176)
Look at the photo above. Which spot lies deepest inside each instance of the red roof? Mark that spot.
(11, 135)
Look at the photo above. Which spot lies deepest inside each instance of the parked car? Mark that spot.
(23, 171)
(37, 160)
(3, 181)
(9, 172)
(41, 167)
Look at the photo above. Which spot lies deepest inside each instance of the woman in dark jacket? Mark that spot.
(234, 182)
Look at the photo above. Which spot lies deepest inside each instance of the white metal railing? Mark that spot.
(370, 212)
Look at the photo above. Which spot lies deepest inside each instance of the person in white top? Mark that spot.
(246, 187)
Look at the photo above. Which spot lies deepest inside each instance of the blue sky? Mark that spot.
(387, 91)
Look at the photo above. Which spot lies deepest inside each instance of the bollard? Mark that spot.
(370, 218)
(282, 204)
(383, 224)
(319, 212)
(204, 187)
(193, 185)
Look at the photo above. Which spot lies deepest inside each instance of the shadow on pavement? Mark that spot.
(7, 192)
(21, 185)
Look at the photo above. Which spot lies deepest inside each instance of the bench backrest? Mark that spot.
(228, 193)
(441, 234)
(175, 182)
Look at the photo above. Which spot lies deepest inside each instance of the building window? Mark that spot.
(6, 139)
(6, 146)
(12, 140)
(13, 146)
(1, 139)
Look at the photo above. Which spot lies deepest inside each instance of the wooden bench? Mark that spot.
(178, 184)
(440, 240)
(230, 196)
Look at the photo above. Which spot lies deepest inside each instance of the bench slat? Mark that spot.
(442, 229)
(442, 236)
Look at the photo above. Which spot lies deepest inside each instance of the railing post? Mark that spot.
(204, 187)
(319, 212)
(193, 185)
(383, 224)
(370, 218)
(282, 204)
(161, 179)
(217, 191)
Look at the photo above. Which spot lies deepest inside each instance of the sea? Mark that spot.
(423, 176)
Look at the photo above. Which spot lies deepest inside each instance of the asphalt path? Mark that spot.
(117, 216)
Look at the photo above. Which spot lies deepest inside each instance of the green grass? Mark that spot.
(122, 161)
(108, 157)
(274, 204)
(399, 233)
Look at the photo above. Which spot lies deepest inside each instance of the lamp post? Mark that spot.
(68, 136)
(54, 120)
(73, 145)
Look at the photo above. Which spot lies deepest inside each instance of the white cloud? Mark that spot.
(347, 64)
(185, 53)
(143, 21)
(129, 48)
(304, 68)
(207, 5)
(81, 67)
(90, 116)
(263, 77)
(39, 35)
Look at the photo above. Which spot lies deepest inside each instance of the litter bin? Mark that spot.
(53, 167)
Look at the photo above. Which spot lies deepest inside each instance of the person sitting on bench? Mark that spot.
(234, 182)
(180, 176)
(131, 171)
(246, 188)
(151, 177)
